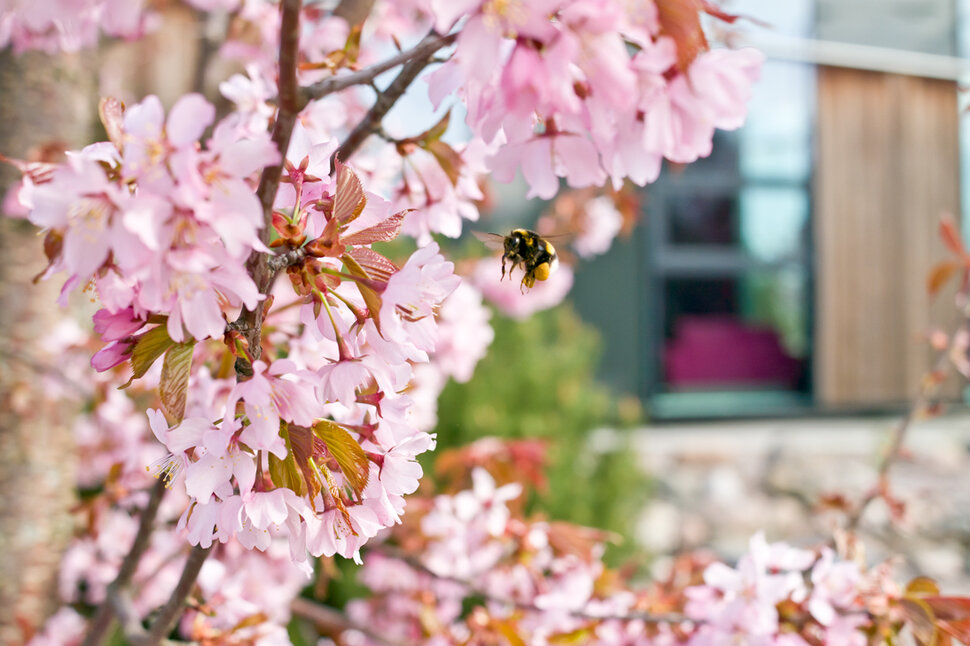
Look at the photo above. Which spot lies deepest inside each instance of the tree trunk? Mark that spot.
(44, 100)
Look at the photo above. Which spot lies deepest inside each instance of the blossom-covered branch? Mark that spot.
(427, 47)
(386, 99)
(292, 433)
(103, 618)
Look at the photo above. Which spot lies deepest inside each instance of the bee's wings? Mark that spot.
(491, 240)
(559, 237)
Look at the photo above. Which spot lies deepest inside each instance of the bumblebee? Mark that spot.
(524, 248)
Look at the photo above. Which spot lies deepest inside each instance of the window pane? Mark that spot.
(774, 223)
(704, 219)
(745, 332)
(776, 138)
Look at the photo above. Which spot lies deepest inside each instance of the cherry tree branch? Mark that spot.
(415, 563)
(284, 260)
(172, 610)
(331, 621)
(105, 615)
(386, 99)
(422, 51)
(290, 104)
(924, 399)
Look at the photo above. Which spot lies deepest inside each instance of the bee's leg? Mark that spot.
(504, 257)
(527, 281)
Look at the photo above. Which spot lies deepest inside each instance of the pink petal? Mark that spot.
(188, 119)
(537, 168)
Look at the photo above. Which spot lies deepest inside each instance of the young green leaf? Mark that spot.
(346, 451)
(149, 347)
(174, 383)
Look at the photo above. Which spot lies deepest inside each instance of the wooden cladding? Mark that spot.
(887, 167)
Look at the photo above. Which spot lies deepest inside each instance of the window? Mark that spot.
(728, 264)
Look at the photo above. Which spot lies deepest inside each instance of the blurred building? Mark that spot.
(786, 273)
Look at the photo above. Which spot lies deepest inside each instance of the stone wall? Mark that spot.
(718, 483)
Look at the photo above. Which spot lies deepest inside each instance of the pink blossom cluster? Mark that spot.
(742, 602)
(159, 224)
(67, 25)
(538, 580)
(318, 447)
(440, 201)
(586, 91)
(302, 430)
(546, 582)
(115, 452)
(323, 449)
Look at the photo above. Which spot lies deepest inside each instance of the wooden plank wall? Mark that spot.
(887, 166)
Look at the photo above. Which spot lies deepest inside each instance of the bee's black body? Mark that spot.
(527, 249)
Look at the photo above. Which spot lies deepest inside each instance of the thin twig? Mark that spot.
(421, 51)
(172, 610)
(42, 370)
(290, 104)
(332, 621)
(135, 634)
(284, 260)
(124, 609)
(105, 615)
(924, 398)
(920, 403)
(386, 99)
(251, 321)
(667, 618)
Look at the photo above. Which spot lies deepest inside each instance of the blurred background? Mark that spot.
(732, 363)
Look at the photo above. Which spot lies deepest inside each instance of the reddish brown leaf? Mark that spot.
(713, 10)
(681, 20)
(112, 112)
(921, 620)
(959, 630)
(950, 234)
(300, 441)
(436, 131)
(376, 265)
(329, 242)
(447, 158)
(382, 232)
(53, 244)
(940, 274)
(949, 608)
(350, 200)
(371, 297)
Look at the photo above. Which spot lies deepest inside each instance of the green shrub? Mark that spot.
(537, 381)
